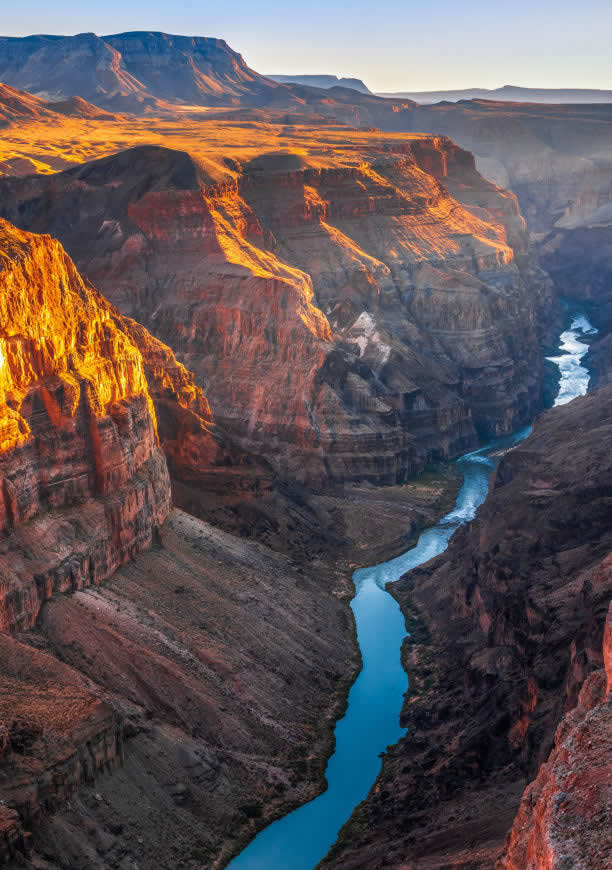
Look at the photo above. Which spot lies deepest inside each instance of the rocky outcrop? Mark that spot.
(555, 158)
(84, 483)
(346, 323)
(506, 627)
(565, 815)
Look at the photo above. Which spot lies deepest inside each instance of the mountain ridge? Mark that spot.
(322, 81)
(510, 93)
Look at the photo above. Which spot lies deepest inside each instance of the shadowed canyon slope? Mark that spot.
(222, 660)
(349, 321)
(505, 629)
(193, 702)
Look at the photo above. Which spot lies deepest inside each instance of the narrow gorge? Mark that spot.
(371, 724)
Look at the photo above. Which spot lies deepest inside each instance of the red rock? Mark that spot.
(565, 816)
(346, 323)
(84, 483)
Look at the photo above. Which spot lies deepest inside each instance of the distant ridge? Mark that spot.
(322, 81)
(132, 71)
(509, 93)
(162, 74)
(16, 105)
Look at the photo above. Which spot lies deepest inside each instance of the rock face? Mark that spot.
(565, 817)
(345, 323)
(84, 482)
(556, 159)
(507, 629)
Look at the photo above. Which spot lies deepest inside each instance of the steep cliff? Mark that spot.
(555, 158)
(223, 659)
(347, 322)
(565, 817)
(84, 482)
(505, 629)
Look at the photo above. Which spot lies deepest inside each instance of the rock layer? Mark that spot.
(346, 323)
(84, 483)
(505, 629)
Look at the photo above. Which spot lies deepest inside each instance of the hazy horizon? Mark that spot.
(392, 47)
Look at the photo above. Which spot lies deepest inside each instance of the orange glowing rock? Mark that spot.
(79, 452)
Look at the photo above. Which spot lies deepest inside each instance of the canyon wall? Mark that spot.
(507, 630)
(346, 323)
(564, 816)
(556, 158)
(224, 660)
(84, 482)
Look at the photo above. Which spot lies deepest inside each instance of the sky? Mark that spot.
(392, 45)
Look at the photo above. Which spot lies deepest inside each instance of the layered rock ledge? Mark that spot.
(84, 484)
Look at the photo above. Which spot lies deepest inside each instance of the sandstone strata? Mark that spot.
(84, 483)
(346, 323)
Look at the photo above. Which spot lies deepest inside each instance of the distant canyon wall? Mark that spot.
(348, 323)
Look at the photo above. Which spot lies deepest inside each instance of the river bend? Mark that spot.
(302, 838)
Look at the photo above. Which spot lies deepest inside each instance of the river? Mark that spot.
(302, 838)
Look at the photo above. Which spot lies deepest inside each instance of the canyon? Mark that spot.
(223, 659)
(247, 326)
(151, 663)
(507, 658)
(384, 306)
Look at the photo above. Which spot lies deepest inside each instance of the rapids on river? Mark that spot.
(302, 838)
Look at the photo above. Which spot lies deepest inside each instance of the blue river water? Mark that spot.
(302, 838)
